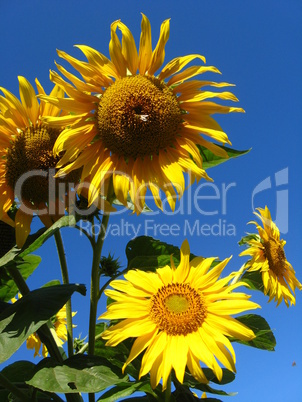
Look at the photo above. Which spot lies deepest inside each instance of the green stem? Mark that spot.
(95, 278)
(95, 283)
(13, 389)
(168, 390)
(65, 278)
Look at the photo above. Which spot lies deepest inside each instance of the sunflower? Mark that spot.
(26, 149)
(60, 330)
(268, 257)
(181, 316)
(140, 128)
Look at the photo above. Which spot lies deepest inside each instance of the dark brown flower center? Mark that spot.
(138, 116)
(32, 151)
(275, 255)
(178, 309)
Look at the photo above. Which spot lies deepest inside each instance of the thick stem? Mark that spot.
(95, 279)
(168, 390)
(65, 278)
(95, 283)
(13, 389)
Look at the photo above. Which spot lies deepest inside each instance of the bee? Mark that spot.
(142, 117)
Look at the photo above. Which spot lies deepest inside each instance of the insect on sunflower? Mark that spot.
(141, 129)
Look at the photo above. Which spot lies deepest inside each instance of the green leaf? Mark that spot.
(29, 313)
(138, 399)
(17, 373)
(62, 222)
(184, 394)
(211, 160)
(54, 282)
(227, 377)
(264, 336)
(254, 280)
(80, 373)
(26, 266)
(36, 240)
(147, 253)
(126, 389)
(116, 355)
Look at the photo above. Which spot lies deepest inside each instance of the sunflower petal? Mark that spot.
(145, 46)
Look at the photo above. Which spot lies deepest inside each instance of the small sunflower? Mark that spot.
(268, 257)
(59, 323)
(143, 129)
(181, 316)
(26, 145)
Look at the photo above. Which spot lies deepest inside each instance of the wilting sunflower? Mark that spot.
(136, 126)
(59, 325)
(26, 148)
(181, 316)
(268, 257)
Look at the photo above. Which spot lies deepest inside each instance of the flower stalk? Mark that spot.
(95, 278)
(168, 390)
(65, 278)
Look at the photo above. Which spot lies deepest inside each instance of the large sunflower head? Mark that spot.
(26, 156)
(141, 128)
(180, 317)
(268, 257)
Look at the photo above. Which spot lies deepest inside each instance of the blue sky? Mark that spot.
(257, 46)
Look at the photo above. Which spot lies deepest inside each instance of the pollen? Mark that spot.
(178, 309)
(275, 255)
(32, 150)
(138, 116)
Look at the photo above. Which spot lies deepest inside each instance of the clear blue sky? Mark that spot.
(257, 46)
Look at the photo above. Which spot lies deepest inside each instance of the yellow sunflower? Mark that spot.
(140, 128)
(181, 316)
(60, 330)
(26, 145)
(268, 257)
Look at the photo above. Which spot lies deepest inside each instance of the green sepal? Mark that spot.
(246, 239)
(211, 160)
